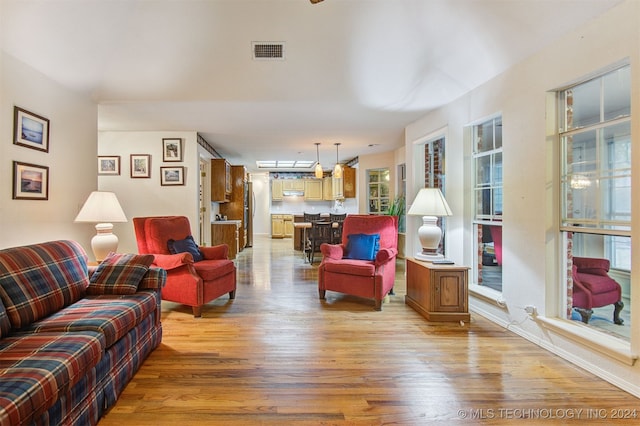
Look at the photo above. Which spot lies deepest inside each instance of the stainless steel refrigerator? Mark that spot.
(249, 201)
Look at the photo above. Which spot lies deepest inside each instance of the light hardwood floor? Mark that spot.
(277, 355)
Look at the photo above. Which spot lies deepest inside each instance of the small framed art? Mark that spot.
(30, 181)
(30, 130)
(109, 165)
(140, 166)
(171, 176)
(171, 150)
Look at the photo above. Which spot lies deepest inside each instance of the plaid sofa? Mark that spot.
(66, 352)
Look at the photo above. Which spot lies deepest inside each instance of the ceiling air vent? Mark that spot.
(268, 50)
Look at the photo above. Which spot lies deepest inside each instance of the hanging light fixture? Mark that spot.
(319, 172)
(337, 170)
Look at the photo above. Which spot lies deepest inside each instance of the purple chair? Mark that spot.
(594, 288)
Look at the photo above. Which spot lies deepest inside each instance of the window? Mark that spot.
(487, 169)
(595, 149)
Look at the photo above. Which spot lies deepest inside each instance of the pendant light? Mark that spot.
(337, 170)
(319, 172)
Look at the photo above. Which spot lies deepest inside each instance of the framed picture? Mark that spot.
(140, 166)
(171, 150)
(30, 130)
(171, 176)
(109, 165)
(30, 181)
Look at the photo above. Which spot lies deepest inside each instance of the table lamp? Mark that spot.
(430, 204)
(102, 208)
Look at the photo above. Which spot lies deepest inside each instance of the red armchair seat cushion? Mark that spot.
(597, 284)
(361, 268)
(211, 269)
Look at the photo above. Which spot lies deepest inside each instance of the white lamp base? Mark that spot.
(104, 242)
(430, 235)
(428, 257)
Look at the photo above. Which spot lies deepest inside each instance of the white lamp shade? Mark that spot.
(102, 208)
(429, 203)
(337, 171)
(319, 172)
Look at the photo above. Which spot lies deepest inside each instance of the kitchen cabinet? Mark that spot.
(349, 182)
(234, 209)
(277, 226)
(288, 225)
(313, 189)
(293, 184)
(437, 292)
(281, 226)
(220, 180)
(276, 190)
(226, 232)
(327, 188)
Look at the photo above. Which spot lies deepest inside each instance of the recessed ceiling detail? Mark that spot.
(268, 50)
(285, 164)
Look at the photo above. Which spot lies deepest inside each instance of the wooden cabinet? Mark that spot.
(226, 233)
(313, 189)
(438, 292)
(327, 188)
(277, 226)
(234, 209)
(220, 180)
(276, 190)
(292, 185)
(281, 226)
(349, 182)
(287, 220)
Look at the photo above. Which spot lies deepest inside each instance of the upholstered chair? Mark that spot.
(360, 265)
(195, 275)
(594, 288)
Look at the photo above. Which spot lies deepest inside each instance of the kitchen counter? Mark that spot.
(226, 222)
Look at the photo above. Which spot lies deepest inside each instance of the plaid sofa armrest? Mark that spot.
(154, 279)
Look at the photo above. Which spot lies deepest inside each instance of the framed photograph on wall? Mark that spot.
(30, 130)
(171, 176)
(140, 166)
(171, 150)
(109, 165)
(30, 181)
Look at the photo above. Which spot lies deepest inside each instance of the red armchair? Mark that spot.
(594, 288)
(188, 282)
(363, 278)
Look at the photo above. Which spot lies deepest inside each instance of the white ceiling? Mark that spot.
(356, 71)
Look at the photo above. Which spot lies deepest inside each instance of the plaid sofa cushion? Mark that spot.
(5, 324)
(111, 315)
(119, 274)
(36, 369)
(40, 279)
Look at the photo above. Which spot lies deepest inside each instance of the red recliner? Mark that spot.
(188, 282)
(364, 278)
(594, 288)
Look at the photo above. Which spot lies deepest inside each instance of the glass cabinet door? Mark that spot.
(378, 191)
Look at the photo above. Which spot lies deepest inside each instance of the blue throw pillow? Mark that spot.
(187, 245)
(362, 246)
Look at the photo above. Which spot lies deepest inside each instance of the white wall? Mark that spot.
(146, 197)
(71, 157)
(532, 254)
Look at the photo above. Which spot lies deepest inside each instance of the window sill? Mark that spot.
(601, 342)
(487, 294)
